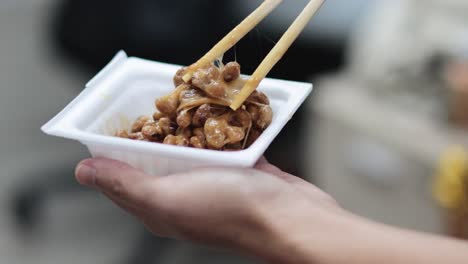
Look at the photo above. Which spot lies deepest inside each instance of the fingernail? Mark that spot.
(86, 175)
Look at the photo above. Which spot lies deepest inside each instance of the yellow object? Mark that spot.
(451, 184)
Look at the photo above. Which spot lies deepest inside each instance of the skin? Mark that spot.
(262, 212)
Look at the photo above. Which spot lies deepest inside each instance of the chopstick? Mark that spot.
(277, 52)
(233, 37)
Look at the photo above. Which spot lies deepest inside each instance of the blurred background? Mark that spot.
(384, 132)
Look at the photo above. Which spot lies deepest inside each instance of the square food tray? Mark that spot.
(127, 88)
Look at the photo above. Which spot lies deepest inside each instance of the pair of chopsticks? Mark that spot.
(271, 59)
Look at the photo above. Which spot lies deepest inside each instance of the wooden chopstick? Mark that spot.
(233, 37)
(277, 52)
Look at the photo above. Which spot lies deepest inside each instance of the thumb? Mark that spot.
(116, 179)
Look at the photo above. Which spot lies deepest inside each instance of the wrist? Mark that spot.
(307, 234)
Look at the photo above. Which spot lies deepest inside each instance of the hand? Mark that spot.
(248, 210)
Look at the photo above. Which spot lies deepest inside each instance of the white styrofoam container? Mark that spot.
(127, 88)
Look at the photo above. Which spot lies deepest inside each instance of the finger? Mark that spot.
(299, 183)
(133, 210)
(117, 179)
(262, 160)
(150, 220)
(265, 166)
